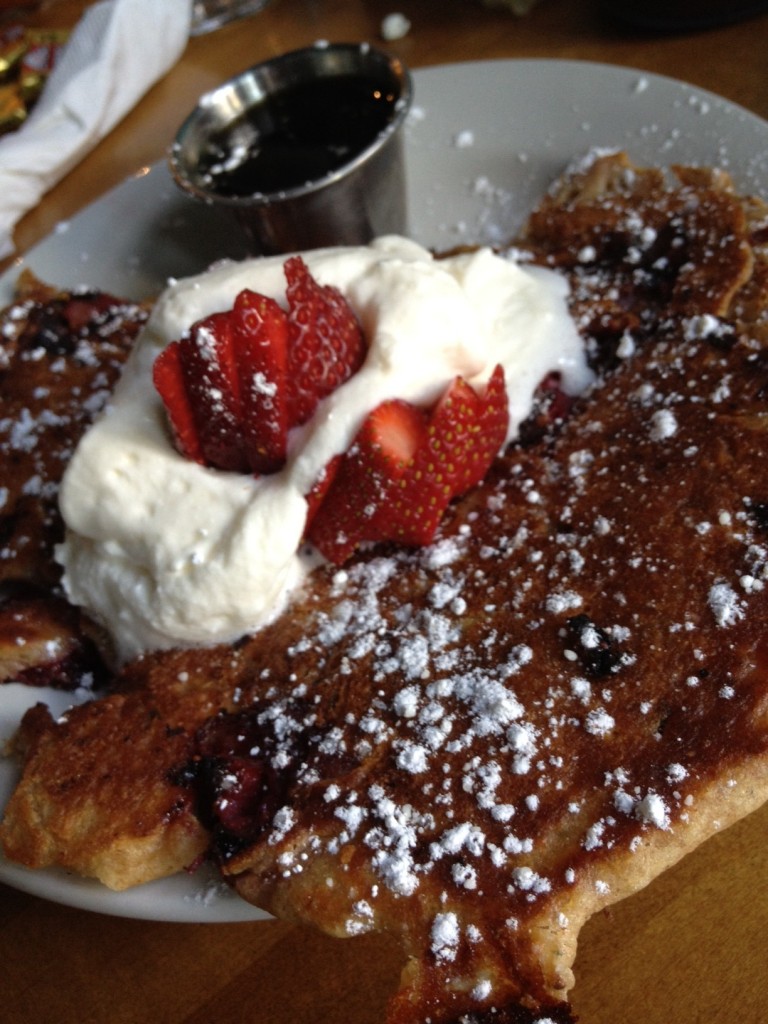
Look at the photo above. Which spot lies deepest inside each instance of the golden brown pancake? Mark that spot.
(477, 745)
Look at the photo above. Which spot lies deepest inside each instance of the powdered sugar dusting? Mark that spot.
(507, 681)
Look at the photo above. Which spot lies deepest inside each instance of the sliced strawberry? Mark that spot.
(491, 435)
(260, 339)
(415, 508)
(239, 380)
(326, 345)
(320, 488)
(365, 478)
(466, 432)
(168, 378)
(404, 467)
(223, 385)
(210, 375)
(454, 427)
(418, 502)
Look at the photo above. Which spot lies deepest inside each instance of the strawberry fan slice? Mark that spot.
(405, 465)
(239, 380)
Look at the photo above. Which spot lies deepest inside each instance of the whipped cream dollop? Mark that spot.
(166, 553)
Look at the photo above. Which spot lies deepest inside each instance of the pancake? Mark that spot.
(477, 745)
(60, 356)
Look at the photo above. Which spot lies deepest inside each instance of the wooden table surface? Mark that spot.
(688, 949)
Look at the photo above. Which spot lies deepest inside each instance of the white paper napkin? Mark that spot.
(115, 53)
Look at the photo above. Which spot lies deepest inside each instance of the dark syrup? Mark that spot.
(299, 135)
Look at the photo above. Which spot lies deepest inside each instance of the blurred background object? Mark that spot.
(95, 83)
(208, 15)
(681, 15)
(516, 6)
(27, 57)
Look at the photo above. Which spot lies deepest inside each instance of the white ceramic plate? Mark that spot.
(483, 142)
